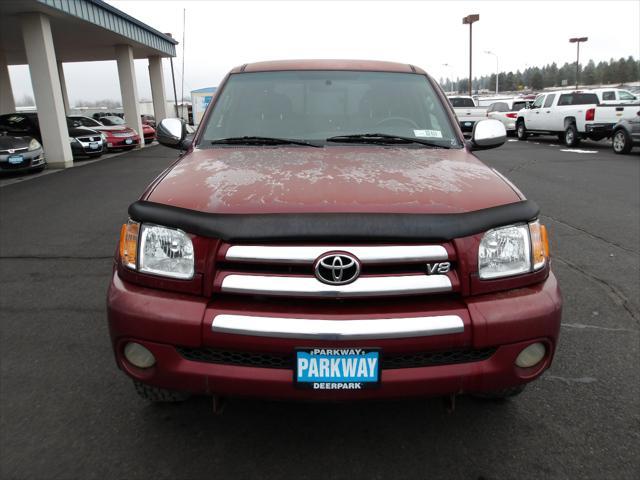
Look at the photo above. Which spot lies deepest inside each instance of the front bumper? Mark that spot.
(88, 149)
(161, 321)
(467, 125)
(115, 143)
(30, 160)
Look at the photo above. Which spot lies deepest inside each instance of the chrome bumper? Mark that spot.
(337, 329)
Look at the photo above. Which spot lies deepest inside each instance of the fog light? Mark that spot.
(531, 355)
(138, 355)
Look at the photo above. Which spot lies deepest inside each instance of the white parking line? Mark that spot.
(577, 150)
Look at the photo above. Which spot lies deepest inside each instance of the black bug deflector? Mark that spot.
(334, 226)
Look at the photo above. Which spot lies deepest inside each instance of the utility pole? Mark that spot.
(469, 20)
(173, 79)
(497, 71)
(578, 41)
(450, 78)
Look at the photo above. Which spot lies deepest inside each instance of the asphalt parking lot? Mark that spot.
(67, 412)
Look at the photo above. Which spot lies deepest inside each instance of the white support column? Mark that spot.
(129, 89)
(156, 76)
(38, 43)
(7, 103)
(63, 88)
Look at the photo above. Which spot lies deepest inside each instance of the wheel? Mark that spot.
(521, 130)
(571, 138)
(158, 395)
(621, 141)
(501, 394)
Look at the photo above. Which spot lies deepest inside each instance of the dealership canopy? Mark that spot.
(46, 33)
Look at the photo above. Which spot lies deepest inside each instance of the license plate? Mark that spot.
(15, 159)
(468, 124)
(128, 141)
(337, 368)
(94, 145)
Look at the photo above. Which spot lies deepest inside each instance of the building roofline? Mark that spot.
(131, 19)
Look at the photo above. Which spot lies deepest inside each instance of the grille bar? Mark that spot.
(308, 254)
(299, 286)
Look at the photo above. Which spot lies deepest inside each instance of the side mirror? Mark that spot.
(171, 132)
(488, 134)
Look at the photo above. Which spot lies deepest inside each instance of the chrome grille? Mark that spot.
(16, 150)
(288, 271)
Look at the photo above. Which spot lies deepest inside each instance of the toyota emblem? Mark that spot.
(337, 268)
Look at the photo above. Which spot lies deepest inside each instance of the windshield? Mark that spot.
(84, 122)
(110, 121)
(316, 105)
(462, 102)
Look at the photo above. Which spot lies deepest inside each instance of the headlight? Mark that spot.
(34, 145)
(157, 250)
(104, 138)
(72, 140)
(513, 250)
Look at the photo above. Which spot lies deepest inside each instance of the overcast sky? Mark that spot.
(223, 34)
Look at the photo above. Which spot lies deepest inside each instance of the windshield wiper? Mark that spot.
(382, 138)
(252, 140)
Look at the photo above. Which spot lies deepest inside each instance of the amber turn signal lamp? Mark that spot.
(129, 244)
(539, 244)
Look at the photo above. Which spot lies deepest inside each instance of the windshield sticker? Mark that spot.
(428, 133)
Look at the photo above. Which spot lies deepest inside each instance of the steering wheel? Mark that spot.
(395, 119)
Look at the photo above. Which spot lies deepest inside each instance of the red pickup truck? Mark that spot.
(329, 234)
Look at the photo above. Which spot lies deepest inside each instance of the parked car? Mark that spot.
(119, 135)
(99, 115)
(84, 142)
(467, 111)
(19, 154)
(561, 113)
(614, 95)
(626, 134)
(148, 120)
(116, 131)
(601, 120)
(149, 133)
(507, 111)
(329, 230)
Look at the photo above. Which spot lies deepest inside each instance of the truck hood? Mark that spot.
(336, 179)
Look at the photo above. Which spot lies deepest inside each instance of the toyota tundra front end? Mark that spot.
(329, 234)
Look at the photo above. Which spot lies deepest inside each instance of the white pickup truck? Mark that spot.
(572, 115)
(467, 111)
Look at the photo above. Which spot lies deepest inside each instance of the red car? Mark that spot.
(119, 135)
(149, 133)
(329, 234)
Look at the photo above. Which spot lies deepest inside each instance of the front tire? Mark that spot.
(621, 141)
(158, 395)
(571, 138)
(521, 130)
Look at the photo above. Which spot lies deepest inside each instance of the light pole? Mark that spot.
(450, 78)
(578, 41)
(469, 20)
(491, 53)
